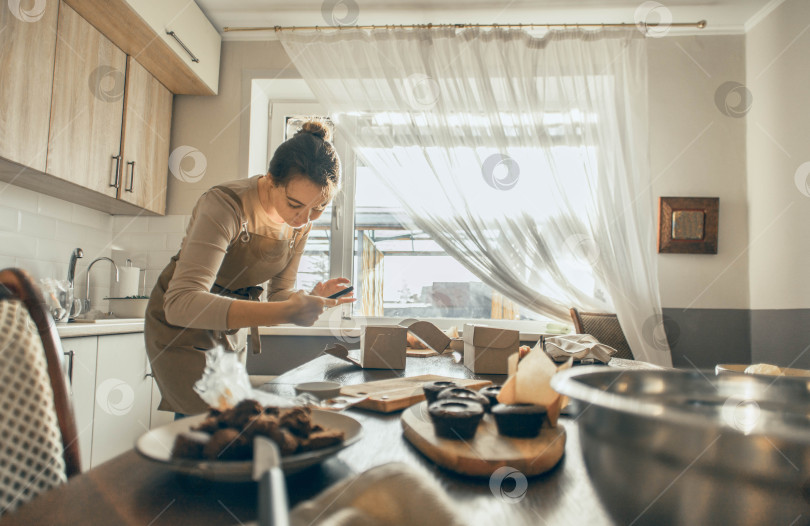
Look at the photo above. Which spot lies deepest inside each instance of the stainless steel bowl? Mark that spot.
(680, 447)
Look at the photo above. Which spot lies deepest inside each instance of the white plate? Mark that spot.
(157, 445)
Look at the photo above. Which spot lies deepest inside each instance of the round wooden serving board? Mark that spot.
(488, 450)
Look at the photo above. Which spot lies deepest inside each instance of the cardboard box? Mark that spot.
(383, 347)
(427, 333)
(487, 349)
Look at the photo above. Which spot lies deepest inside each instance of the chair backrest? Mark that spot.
(39, 447)
(604, 327)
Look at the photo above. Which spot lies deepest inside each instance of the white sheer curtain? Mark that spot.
(525, 158)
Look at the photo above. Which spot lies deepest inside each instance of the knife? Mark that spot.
(273, 509)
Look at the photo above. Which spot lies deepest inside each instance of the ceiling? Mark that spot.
(723, 16)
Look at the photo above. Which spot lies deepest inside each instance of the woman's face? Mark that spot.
(299, 202)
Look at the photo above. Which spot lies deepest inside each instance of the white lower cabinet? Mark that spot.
(114, 396)
(123, 395)
(158, 418)
(80, 361)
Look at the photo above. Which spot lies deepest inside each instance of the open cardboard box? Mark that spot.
(384, 346)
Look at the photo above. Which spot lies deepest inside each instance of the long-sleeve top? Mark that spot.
(215, 223)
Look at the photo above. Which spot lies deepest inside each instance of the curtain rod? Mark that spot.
(699, 25)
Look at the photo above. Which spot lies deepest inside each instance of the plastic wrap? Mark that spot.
(225, 383)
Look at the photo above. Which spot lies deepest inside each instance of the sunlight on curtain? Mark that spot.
(524, 158)
(372, 273)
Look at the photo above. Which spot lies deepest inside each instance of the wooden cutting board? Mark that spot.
(488, 450)
(419, 353)
(394, 394)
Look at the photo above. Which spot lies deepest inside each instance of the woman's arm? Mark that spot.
(188, 301)
(300, 308)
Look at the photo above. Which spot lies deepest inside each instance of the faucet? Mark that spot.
(87, 288)
(77, 253)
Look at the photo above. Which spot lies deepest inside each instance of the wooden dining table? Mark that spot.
(132, 490)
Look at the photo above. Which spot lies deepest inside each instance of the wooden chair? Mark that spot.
(605, 328)
(39, 446)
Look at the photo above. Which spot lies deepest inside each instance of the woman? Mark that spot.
(241, 234)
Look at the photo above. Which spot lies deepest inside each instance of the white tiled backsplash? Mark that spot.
(38, 233)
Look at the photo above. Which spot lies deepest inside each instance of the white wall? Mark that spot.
(39, 232)
(778, 67)
(696, 151)
(219, 126)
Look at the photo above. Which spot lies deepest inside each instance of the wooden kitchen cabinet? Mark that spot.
(123, 395)
(186, 62)
(27, 41)
(81, 120)
(87, 107)
(80, 362)
(145, 141)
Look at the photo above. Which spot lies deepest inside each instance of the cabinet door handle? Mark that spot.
(70, 355)
(149, 375)
(174, 35)
(131, 176)
(117, 166)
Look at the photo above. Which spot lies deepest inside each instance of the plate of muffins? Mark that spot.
(218, 445)
(470, 432)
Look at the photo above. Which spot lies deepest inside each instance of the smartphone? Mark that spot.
(341, 293)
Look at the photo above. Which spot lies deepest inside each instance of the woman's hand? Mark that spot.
(304, 309)
(327, 288)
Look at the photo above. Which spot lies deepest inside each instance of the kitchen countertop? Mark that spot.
(75, 330)
(337, 332)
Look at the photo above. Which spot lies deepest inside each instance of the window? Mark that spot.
(397, 272)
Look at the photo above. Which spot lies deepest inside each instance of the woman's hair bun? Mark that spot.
(317, 128)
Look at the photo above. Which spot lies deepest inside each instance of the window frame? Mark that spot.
(343, 254)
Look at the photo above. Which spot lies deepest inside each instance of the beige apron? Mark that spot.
(177, 354)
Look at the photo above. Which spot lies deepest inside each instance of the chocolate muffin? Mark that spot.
(239, 415)
(298, 420)
(324, 438)
(229, 434)
(190, 444)
(491, 392)
(227, 444)
(464, 394)
(519, 420)
(456, 418)
(432, 389)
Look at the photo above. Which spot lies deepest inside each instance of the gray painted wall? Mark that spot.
(702, 338)
(781, 337)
